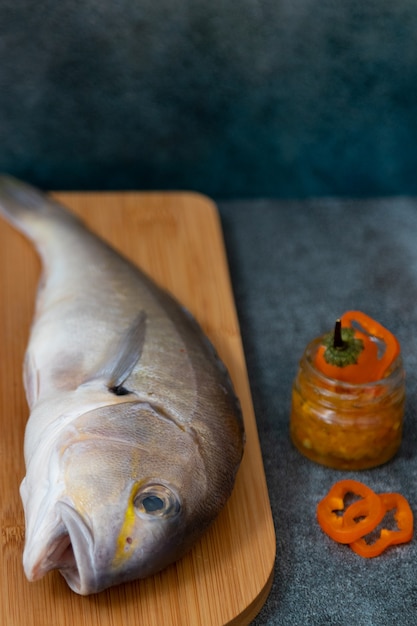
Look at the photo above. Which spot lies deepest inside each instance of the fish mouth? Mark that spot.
(71, 551)
(76, 563)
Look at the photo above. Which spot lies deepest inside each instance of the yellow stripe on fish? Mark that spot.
(126, 541)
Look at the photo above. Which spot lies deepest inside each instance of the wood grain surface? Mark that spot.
(225, 579)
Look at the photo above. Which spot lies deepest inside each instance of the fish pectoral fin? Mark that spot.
(122, 358)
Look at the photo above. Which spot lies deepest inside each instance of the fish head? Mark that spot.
(135, 495)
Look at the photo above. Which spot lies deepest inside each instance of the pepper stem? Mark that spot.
(342, 347)
(338, 342)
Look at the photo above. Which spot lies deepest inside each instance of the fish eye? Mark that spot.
(151, 504)
(156, 500)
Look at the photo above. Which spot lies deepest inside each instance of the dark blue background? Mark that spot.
(256, 98)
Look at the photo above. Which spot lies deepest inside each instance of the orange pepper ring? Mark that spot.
(377, 330)
(404, 518)
(348, 530)
(369, 367)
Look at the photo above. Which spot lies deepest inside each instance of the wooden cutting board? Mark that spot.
(225, 579)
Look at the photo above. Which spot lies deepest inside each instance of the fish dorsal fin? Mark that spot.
(122, 358)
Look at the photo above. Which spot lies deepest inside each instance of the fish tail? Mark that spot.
(27, 208)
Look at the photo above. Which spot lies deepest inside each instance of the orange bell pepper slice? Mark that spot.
(345, 528)
(403, 516)
(351, 353)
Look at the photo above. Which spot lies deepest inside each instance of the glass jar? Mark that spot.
(343, 425)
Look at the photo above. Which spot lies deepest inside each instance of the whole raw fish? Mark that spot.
(135, 434)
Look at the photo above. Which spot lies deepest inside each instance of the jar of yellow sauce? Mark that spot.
(344, 425)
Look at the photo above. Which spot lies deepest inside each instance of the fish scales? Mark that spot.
(135, 433)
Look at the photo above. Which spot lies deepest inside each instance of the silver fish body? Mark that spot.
(135, 434)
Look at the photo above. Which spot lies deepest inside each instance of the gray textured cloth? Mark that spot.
(295, 268)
